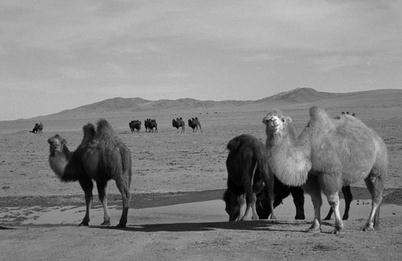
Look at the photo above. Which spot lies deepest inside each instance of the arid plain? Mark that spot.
(187, 170)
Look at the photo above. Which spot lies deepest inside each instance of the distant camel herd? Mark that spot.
(152, 126)
(327, 156)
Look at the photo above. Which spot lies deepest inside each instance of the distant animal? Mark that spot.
(135, 125)
(246, 166)
(194, 123)
(197, 121)
(353, 114)
(101, 156)
(327, 155)
(179, 123)
(38, 128)
(151, 125)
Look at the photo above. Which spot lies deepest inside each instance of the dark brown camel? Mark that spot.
(101, 156)
(135, 125)
(179, 123)
(246, 163)
(151, 125)
(193, 124)
(38, 128)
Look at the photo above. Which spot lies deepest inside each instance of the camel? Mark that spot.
(179, 123)
(151, 125)
(38, 128)
(245, 163)
(328, 154)
(193, 124)
(197, 121)
(101, 156)
(135, 125)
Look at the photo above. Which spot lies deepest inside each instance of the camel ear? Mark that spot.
(63, 141)
(288, 119)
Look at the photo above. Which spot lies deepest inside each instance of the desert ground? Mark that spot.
(178, 179)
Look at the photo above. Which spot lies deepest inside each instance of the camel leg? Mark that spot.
(87, 186)
(103, 199)
(298, 200)
(312, 187)
(376, 186)
(347, 195)
(330, 211)
(125, 196)
(251, 198)
(269, 185)
(333, 200)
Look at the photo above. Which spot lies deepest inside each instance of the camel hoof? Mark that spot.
(273, 217)
(368, 228)
(84, 223)
(254, 218)
(300, 217)
(106, 223)
(327, 218)
(121, 225)
(336, 231)
(313, 230)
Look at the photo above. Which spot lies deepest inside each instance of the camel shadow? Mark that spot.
(260, 225)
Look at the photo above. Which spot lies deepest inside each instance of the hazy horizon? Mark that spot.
(60, 55)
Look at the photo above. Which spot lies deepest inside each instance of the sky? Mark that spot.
(57, 55)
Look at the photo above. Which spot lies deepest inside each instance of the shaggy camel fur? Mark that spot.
(246, 163)
(101, 156)
(328, 154)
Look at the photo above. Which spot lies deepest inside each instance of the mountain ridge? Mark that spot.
(136, 104)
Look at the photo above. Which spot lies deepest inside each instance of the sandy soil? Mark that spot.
(43, 212)
(197, 231)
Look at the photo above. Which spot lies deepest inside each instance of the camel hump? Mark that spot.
(320, 118)
(89, 131)
(235, 143)
(104, 128)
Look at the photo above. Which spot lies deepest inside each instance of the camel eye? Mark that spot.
(283, 120)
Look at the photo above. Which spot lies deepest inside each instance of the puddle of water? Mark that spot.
(207, 211)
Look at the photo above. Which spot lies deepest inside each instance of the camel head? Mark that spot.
(56, 144)
(276, 123)
(233, 204)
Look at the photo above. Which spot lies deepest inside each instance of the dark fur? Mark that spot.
(150, 125)
(179, 123)
(38, 128)
(135, 125)
(281, 191)
(194, 123)
(245, 164)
